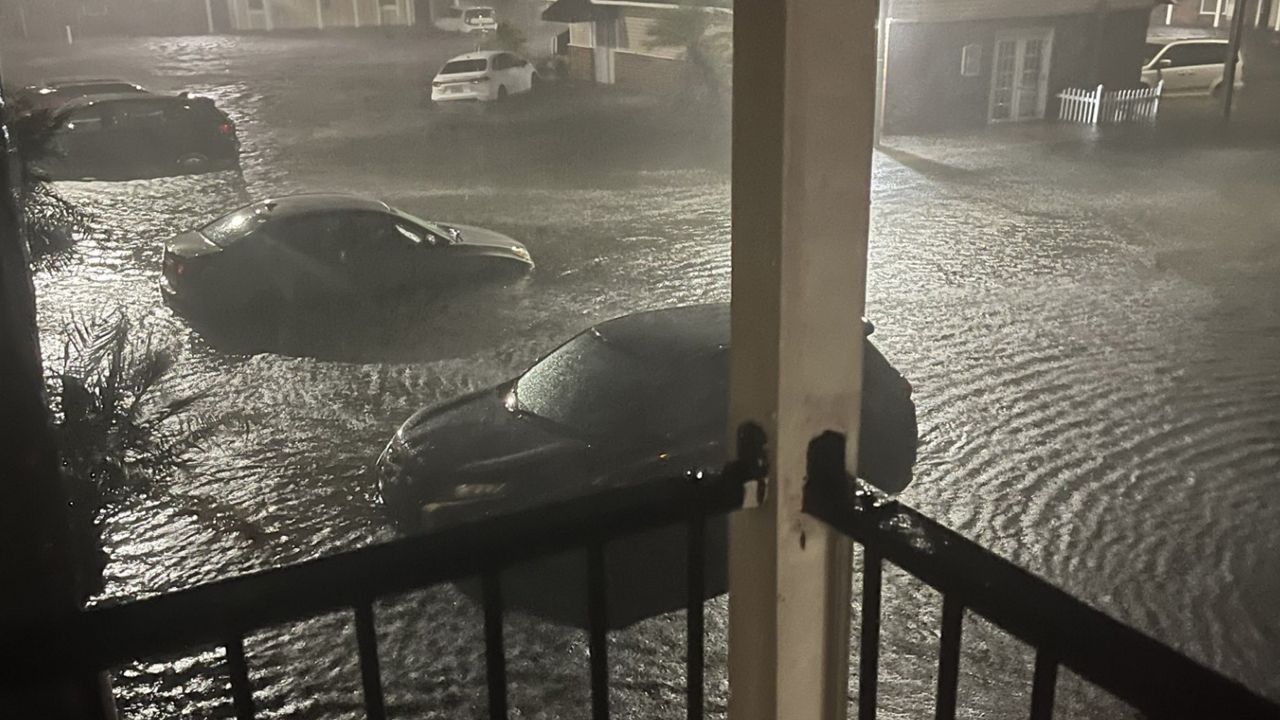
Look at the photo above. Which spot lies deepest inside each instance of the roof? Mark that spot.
(570, 11)
(303, 203)
(963, 10)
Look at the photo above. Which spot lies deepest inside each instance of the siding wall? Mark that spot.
(926, 93)
(966, 10)
(301, 14)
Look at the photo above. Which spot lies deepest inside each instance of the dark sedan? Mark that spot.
(313, 246)
(636, 398)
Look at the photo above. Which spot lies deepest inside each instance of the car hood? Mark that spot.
(482, 238)
(469, 451)
(191, 244)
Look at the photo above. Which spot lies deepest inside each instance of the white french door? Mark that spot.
(1020, 75)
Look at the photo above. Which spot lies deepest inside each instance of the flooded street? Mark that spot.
(1091, 325)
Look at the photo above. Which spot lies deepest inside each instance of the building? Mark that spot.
(947, 64)
(956, 64)
(268, 15)
(610, 41)
(1192, 18)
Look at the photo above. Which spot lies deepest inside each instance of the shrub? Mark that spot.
(50, 222)
(117, 433)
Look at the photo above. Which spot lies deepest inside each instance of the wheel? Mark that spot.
(193, 163)
(502, 92)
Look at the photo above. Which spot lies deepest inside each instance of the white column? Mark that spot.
(1217, 14)
(208, 15)
(319, 16)
(1168, 14)
(266, 14)
(355, 12)
(801, 198)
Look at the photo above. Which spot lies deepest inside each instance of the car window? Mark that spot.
(586, 384)
(1192, 54)
(319, 235)
(87, 120)
(232, 227)
(1152, 50)
(464, 66)
(139, 116)
(378, 231)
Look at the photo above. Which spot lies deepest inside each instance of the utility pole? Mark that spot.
(1233, 58)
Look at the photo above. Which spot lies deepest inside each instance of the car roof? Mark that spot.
(672, 333)
(98, 98)
(678, 332)
(303, 203)
(478, 55)
(71, 82)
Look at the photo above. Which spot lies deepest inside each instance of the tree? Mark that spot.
(116, 433)
(49, 221)
(507, 37)
(706, 48)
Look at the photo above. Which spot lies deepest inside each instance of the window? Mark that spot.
(1194, 54)
(140, 116)
(1210, 7)
(464, 66)
(971, 60)
(84, 121)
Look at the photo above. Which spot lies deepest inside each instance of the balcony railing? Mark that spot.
(1065, 632)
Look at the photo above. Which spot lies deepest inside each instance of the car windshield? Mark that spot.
(1150, 53)
(599, 390)
(230, 228)
(464, 66)
(446, 232)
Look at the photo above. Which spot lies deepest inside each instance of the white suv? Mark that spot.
(1189, 66)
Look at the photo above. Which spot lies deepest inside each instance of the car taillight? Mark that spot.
(226, 128)
(477, 81)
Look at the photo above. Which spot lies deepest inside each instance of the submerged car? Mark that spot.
(484, 76)
(53, 94)
(311, 246)
(137, 135)
(633, 399)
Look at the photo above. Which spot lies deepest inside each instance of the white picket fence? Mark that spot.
(1101, 106)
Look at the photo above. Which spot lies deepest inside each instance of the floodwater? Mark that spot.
(1092, 332)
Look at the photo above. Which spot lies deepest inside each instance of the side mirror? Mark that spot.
(1164, 63)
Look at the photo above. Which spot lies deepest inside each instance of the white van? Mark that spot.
(468, 19)
(1189, 66)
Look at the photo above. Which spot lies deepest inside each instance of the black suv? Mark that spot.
(126, 136)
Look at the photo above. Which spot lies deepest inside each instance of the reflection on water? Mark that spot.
(1088, 413)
